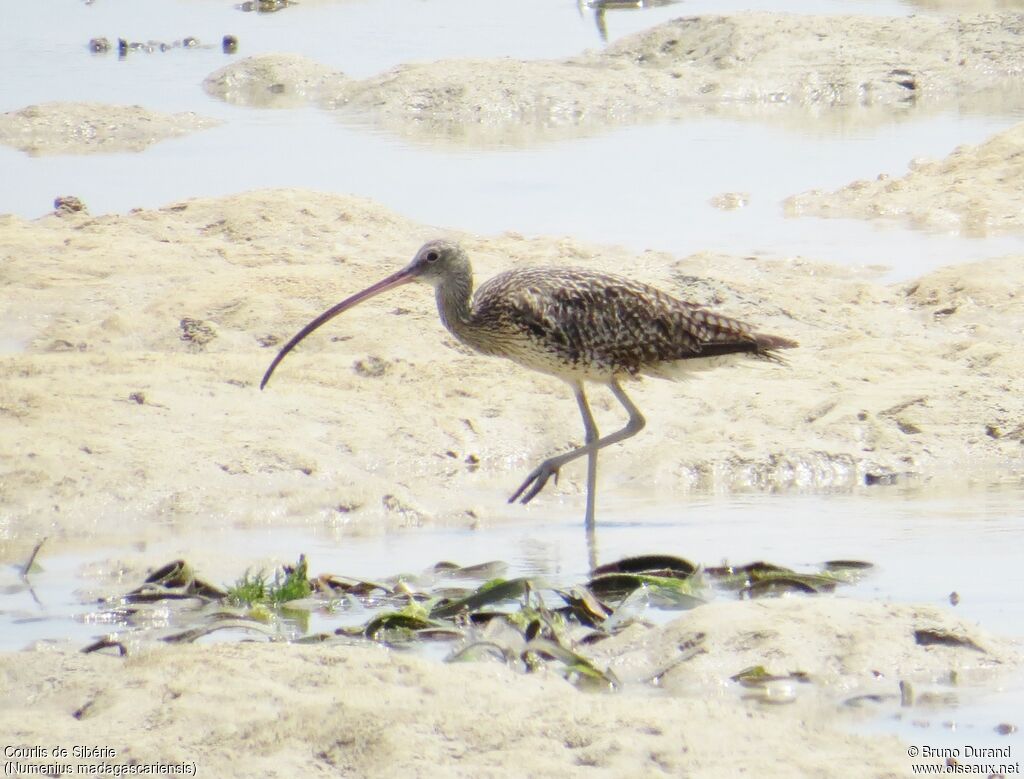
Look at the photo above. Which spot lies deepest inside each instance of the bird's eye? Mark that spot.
(432, 256)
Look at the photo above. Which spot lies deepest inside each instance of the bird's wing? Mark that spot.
(606, 320)
(600, 320)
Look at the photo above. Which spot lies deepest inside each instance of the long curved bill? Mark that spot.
(403, 276)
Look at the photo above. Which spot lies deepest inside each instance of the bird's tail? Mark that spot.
(768, 345)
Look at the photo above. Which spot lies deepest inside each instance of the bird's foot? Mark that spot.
(535, 482)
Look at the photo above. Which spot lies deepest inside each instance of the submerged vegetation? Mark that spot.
(290, 583)
(471, 612)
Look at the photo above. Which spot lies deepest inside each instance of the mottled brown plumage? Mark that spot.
(572, 323)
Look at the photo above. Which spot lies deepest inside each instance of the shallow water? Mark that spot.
(923, 548)
(643, 187)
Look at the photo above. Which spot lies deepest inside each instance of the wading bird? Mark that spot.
(575, 324)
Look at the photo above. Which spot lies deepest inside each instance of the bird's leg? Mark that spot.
(539, 476)
(590, 436)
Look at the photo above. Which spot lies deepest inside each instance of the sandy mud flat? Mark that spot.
(138, 341)
(974, 191)
(779, 68)
(90, 128)
(229, 709)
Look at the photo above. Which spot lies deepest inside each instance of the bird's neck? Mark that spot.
(453, 302)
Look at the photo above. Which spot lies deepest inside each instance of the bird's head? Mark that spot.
(437, 261)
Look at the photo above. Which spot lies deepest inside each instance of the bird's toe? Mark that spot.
(534, 483)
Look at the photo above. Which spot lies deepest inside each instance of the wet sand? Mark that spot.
(133, 346)
(93, 128)
(231, 709)
(972, 192)
(132, 385)
(784, 69)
